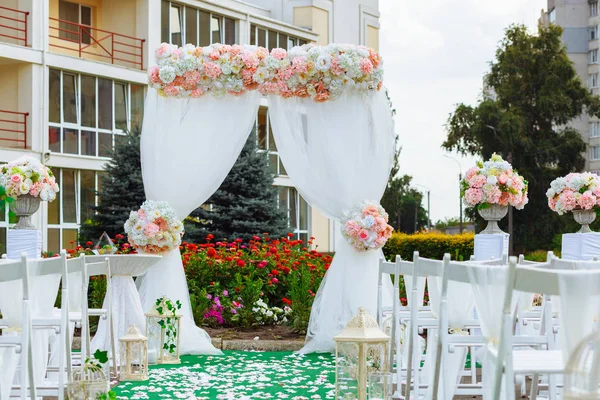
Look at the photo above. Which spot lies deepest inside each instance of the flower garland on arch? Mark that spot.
(318, 72)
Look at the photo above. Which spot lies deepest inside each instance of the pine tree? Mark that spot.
(245, 205)
(121, 189)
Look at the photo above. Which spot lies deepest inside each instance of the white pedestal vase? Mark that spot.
(584, 218)
(492, 215)
(24, 207)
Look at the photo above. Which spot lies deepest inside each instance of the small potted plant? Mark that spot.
(578, 193)
(492, 186)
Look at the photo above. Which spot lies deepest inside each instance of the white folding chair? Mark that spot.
(389, 270)
(16, 335)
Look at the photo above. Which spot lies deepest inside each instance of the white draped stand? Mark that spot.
(491, 247)
(581, 246)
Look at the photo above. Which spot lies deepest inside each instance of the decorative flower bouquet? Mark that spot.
(576, 191)
(494, 182)
(28, 176)
(154, 228)
(318, 72)
(365, 226)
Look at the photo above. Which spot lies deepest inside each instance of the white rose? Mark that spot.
(492, 180)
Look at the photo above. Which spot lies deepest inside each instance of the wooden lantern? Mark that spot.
(134, 356)
(360, 349)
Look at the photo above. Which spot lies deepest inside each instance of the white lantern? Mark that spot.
(88, 382)
(162, 329)
(134, 355)
(361, 349)
(582, 374)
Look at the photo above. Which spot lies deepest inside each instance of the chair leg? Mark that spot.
(61, 363)
(534, 386)
(552, 390)
(409, 365)
(113, 348)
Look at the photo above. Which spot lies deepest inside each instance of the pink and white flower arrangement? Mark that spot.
(154, 228)
(28, 176)
(576, 191)
(318, 72)
(494, 182)
(365, 226)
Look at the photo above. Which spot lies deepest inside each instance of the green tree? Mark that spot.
(534, 92)
(121, 189)
(245, 205)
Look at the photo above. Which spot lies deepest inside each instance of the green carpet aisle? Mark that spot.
(238, 375)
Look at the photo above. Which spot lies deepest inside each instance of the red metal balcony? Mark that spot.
(13, 25)
(96, 44)
(13, 129)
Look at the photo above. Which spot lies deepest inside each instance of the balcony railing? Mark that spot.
(96, 44)
(13, 129)
(13, 25)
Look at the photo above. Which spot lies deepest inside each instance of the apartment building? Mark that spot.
(580, 20)
(73, 81)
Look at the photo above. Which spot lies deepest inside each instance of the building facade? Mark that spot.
(580, 20)
(73, 81)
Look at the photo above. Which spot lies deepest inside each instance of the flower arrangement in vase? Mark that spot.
(26, 182)
(365, 226)
(492, 186)
(154, 228)
(578, 193)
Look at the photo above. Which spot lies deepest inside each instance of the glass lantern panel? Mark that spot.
(376, 355)
(347, 364)
(380, 386)
(153, 332)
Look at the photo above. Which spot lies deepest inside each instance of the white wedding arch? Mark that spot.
(332, 126)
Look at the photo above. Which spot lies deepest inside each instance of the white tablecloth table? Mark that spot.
(581, 246)
(488, 247)
(126, 304)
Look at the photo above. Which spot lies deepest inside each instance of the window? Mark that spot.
(595, 129)
(272, 39)
(73, 15)
(183, 24)
(594, 56)
(593, 32)
(552, 16)
(595, 153)
(593, 80)
(86, 112)
(298, 211)
(594, 8)
(266, 142)
(72, 206)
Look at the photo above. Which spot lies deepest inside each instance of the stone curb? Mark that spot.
(235, 344)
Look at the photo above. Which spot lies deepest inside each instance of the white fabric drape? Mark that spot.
(489, 288)
(188, 147)
(337, 154)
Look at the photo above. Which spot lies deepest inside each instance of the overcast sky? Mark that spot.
(435, 55)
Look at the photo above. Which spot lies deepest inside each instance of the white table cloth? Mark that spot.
(581, 246)
(493, 246)
(126, 304)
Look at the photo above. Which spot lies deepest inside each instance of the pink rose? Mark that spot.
(552, 204)
(214, 55)
(477, 181)
(491, 194)
(275, 280)
(16, 178)
(171, 90)
(502, 179)
(568, 200)
(212, 70)
(335, 67)
(522, 203)
(151, 230)
(278, 54)
(371, 210)
(587, 201)
(504, 199)
(473, 196)
(363, 234)
(153, 74)
(141, 214)
(471, 172)
(197, 92)
(163, 50)
(366, 66)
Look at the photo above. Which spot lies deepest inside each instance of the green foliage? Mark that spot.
(248, 289)
(121, 189)
(245, 205)
(429, 245)
(537, 256)
(301, 297)
(537, 92)
(166, 308)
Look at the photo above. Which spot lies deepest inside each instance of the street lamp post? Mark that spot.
(459, 188)
(428, 205)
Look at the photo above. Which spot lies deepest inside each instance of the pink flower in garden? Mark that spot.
(587, 201)
(16, 178)
(568, 200)
(471, 172)
(151, 229)
(279, 54)
(477, 181)
(366, 66)
(275, 280)
(473, 196)
(212, 70)
(225, 293)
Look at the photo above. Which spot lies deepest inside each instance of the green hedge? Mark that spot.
(429, 245)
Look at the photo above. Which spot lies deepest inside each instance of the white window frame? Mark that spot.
(595, 153)
(593, 56)
(296, 230)
(267, 145)
(593, 31)
(593, 81)
(78, 126)
(295, 38)
(594, 129)
(594, 9)
(552, 16)
(183, 10)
